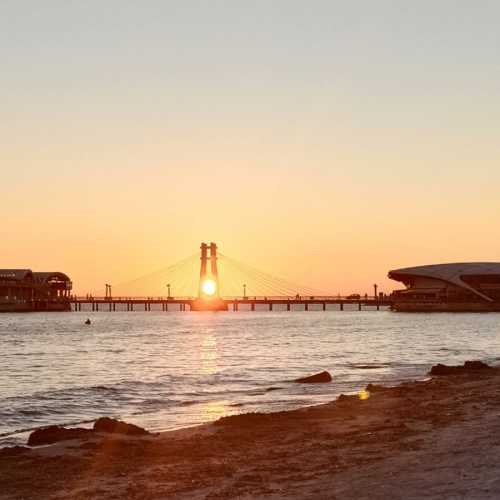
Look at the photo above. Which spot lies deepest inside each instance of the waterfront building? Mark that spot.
(469, 286)
(22, 290)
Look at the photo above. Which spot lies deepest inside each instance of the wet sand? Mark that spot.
(439, 438)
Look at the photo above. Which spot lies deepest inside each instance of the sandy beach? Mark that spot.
(438, 438)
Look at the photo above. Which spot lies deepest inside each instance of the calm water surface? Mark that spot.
(169, 370)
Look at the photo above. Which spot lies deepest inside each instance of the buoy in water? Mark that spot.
(87, 322)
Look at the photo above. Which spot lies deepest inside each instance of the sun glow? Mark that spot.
(209, 287)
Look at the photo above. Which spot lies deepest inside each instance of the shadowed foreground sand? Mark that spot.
(434, 439)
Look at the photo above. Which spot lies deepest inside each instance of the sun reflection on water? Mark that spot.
(208, 353)
(212, 410)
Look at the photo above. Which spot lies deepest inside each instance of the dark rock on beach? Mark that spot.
(467, 367)
(376, 388)
(56, 433)
(345, 398)
(113, 426)
(318, 378)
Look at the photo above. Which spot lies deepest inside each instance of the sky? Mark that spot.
(324, 142)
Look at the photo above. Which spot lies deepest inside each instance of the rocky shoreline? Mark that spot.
(435, 438)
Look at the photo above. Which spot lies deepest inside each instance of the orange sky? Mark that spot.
(325, 146)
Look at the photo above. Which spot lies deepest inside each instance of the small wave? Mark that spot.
(188, 403)
(30, 413)
(105, 388)
(370, 366)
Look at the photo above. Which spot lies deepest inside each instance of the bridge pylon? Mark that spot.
(209, 298)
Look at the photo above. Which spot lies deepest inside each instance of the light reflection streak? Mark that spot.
(212, 410)
(208, 353)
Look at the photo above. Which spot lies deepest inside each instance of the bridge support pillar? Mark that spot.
(341, 306)
(359, 306)
(288, 306)
(306, 307)
(252, 306)
(378, 306)
(270, 306)
(324, 306)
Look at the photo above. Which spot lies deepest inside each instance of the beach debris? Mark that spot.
(113, 426)
(468, 366)
(87, 321)
(318, 378)
(56, 433)
(363, 394)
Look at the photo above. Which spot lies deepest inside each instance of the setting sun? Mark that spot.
(209, 287)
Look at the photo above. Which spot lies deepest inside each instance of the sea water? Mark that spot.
(166, 370)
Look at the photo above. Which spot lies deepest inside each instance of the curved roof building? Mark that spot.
(456, 286)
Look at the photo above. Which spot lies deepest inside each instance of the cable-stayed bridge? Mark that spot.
(211, 281)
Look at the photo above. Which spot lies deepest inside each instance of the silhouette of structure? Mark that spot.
(458, 287)
(209, 290)
(269, 293)
(22, 290)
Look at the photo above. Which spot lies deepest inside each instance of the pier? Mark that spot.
(166, 304)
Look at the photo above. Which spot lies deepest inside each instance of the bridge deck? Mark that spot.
(100, 303)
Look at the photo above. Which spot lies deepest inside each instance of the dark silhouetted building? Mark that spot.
(22, 290)
(470, 286)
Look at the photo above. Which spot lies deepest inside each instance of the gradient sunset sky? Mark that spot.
(322, 141)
